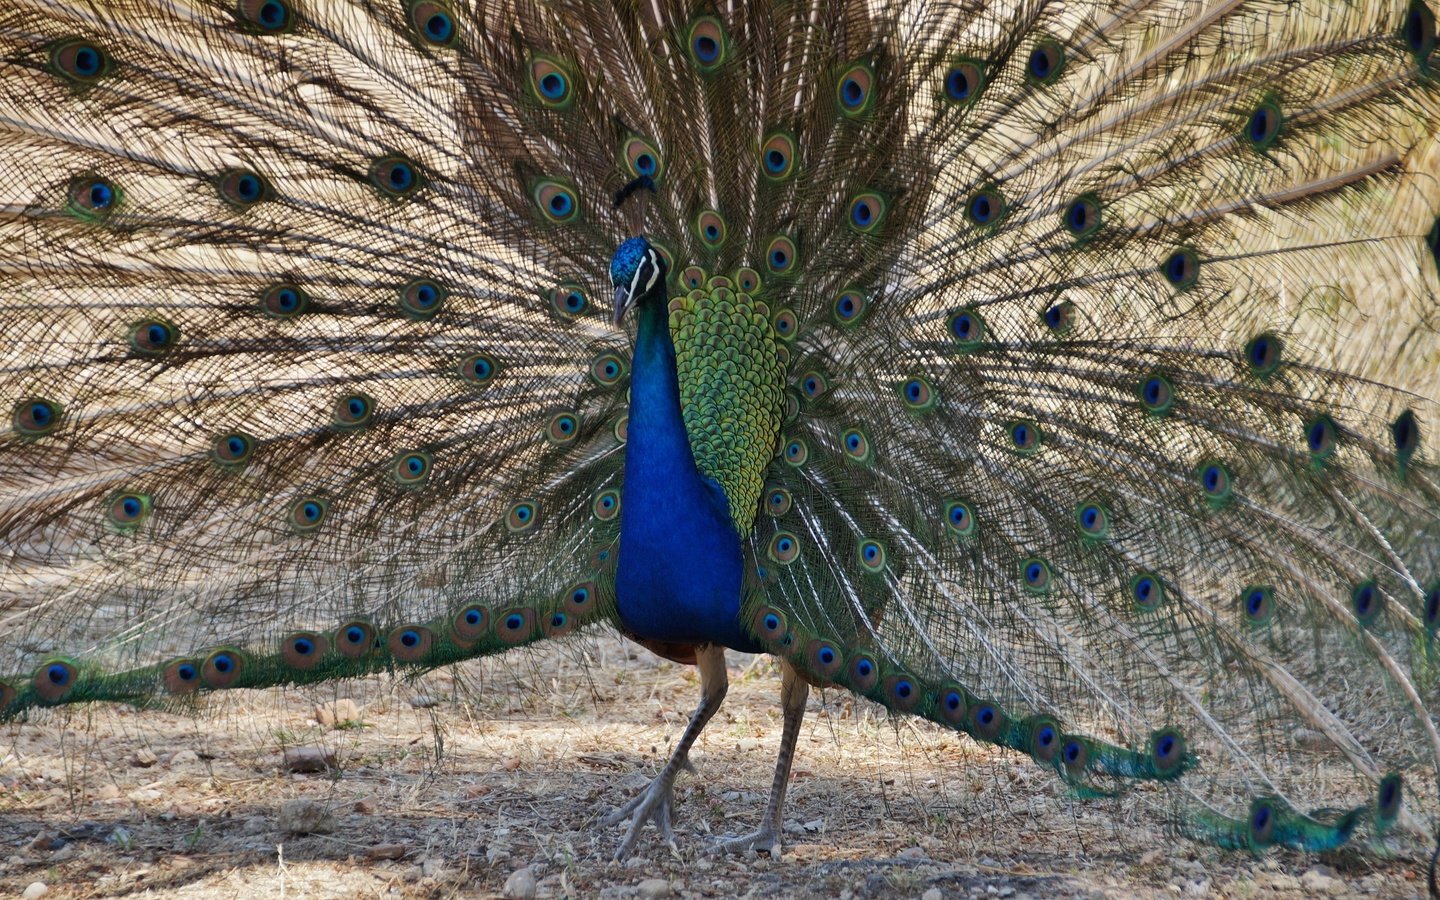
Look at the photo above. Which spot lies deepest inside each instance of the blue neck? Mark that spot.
(678, 578)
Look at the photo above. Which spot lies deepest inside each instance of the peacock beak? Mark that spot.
(622, 303)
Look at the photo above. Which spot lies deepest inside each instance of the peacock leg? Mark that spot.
(794, 691)
(654, 802)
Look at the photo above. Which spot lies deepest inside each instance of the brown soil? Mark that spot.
(518, 759)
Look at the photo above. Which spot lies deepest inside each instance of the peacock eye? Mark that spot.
(396, 176)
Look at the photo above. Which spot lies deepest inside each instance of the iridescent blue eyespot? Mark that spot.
(35, 417)
(985, 207)
(396, 176)
(853, 89)
(81, 62)
(266, 16)
(707, 44)
(434, 22)
(1263, 127)
(1182, 268)
(963, 82)
(1046, 62)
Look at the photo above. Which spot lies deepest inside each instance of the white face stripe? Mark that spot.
(654, 274)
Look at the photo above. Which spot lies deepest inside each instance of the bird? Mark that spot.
(1055, 373)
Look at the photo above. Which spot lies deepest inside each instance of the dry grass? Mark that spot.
(516, 763)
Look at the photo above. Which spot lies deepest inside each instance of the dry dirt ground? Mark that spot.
(451, 784)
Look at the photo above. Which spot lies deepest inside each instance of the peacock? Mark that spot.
(1053, 372)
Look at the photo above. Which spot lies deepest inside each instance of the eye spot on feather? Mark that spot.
(1026, 438)
(964, 81)
(1035, 573)
(242, 188)
(780, 255)
(854, 90)
(352, 411)
(92, 198)
(522, 516)
(1262, 354)
(777, 156)
(641, 159)
(785, 324)
(622, 429)
(1320, 437)
(550, 83)
(813, 385)
(1262, 129)
(434, 23)
(987, 721)
(1075, 756)
(1216, 481)
(222, 668)
(710, 228)
(917, 394)
(478, 369)
(959, 518)
(967, 328)
(1257, 603)
(985, 208)
(232, 450)
(1260, 823)
(305, 650)
(1082, 217)
(606, 505)
(1418, 33)
(1182, 269)
(1147, 591)
(778, 501)
(784, 548)
(556, 202)
(34, 417)
(871, 556)
(953, 707)
(903, 693)
(1042, 739)
(796, 452)
(266, 16)
(863, 674)
(856, 444)
(308, 513)
(768, 624)
(1157, 395)
(1167, 753)
(410, 643)
(1059, 317)
(850, 306)
(867, 212)
(707, 44)
(557, 624)
(579, 600)
(355, 640)
(396, 176)
(80, 62)
(411, 468)
(470, 625)
(822, 658)
(151, 337)
(54, 680)
(1367, 602)
(422, 298)
(1388, 798)
(1431, 611)
(515, 626)
(563, 428)
(1046, 62)
(1405, 433)
(747, 280)
(569, 301)
(284, 301)
(1094, 520)
(180, 676)
(127, 510)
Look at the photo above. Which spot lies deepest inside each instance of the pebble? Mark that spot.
(386, 851)
(337, 712)
(655, 888)
(143, 759)
(1318, 883)
(308, 759)
(35, 890)
(184, 758)
(520, 884)
(305, 817)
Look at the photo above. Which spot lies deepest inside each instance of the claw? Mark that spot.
(652, 804)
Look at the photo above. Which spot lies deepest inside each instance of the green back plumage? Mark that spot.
(1080, 409)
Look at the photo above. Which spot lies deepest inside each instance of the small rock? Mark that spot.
(143, 759)
(654, 888)
(424, 701)
(337, 712)
(305, 817)
(308, 759)
(386, 851)
(748, 744)
(184, 758)
(1317, 883)
(520, 884)
(932, 894)
(35, 890)
(366, 806)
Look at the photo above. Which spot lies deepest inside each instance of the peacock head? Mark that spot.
(637, 272)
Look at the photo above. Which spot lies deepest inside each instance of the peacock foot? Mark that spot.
(762, 840)
(651, 804)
